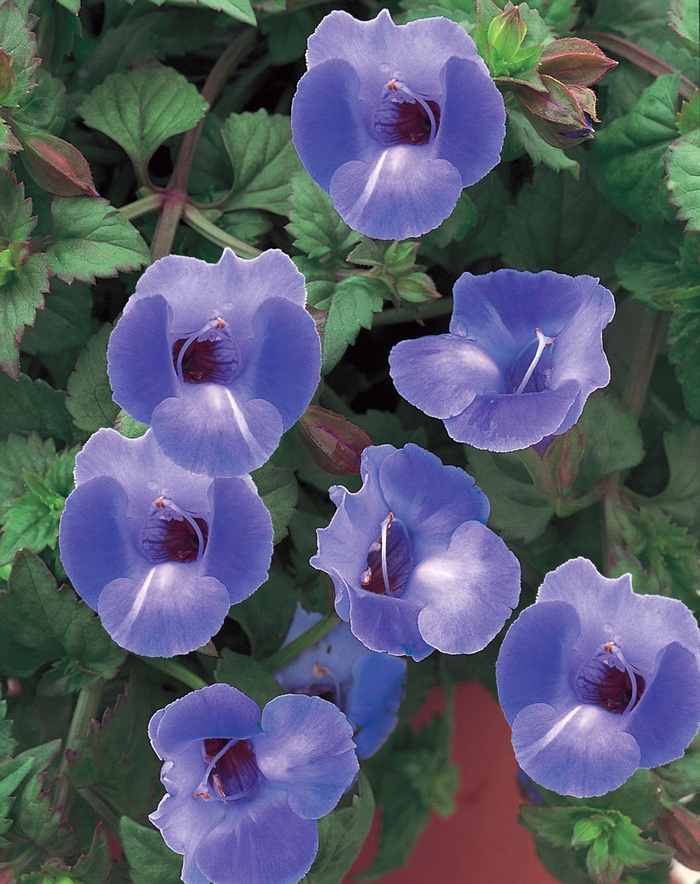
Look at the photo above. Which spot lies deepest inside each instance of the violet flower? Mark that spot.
(160, 553)
(220, 359)
(366, 686)
(597, 681)
(394, 120)
(413, 564)
(523, 354)
(244, 794)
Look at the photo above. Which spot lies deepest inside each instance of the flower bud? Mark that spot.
(506, 33)
(334, 443)
(575, 61)
(680, 829)
(55, 164)
(7, 79)
(563, 115)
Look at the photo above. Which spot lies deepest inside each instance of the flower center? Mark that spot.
(389, 559)
(172, 534)
(405, 117)
(232, 771)
(207, 355)
(543, 377)
(325, 685)
(608, 680)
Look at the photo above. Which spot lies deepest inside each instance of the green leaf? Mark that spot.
(522, 134)
(560, 223)
(42, 823)
(20, 298)
(652, 263)
(63, 323)
(681, 497)
(263, 159)
(8, 743)
(628, 154)
(47, 107)
(29, 406)
(267, 614)
(150, 860)
(19, 42)
(278, 488)
(613, 440)
(560, 15)
(685, 19)
(248, 676)
(317, 229)
(631, 18)
(241, 10)
(683, 179)
(341, 836)
(142, 109)
(17, 455)
(41, 623)
(12, 772)
(684, 353)
(89, 393)
(351, 307)
(90, 238)
(127, 426)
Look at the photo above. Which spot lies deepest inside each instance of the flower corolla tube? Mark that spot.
(219, 359)
(244, 793)
(523, 353)
(160, 553)
(413, 564)
(597, 681)
(394, 120)
(365, 685)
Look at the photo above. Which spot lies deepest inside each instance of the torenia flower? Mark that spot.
(394, 120)
(220, 359)
(413, 564)
(523, 354)
(597, 681)
(244, 794)
(366, 686)
(160, 553)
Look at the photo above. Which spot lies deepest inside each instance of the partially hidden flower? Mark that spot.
(413, 564)
(219, 359)
(160, 553)
(365, 685)
(394, 120)
(244, 793)
(523, 354)
(597, 681)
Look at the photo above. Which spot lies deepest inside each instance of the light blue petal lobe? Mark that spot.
(467, 592)
(668, 715)
(473, 122)
(140, 359)
(218, 710)
(536, 658)
(374, 699)
(213, 431)
(95, 543)
(306, 748)
(576, 751)
(333, 656)
(387, 624)
(259, 842)
(510, 422)
(401, 193)
(239, 547)
(441, 374)
(168, 611)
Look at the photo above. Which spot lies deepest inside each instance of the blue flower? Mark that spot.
(413, 564)
(366, 686)
(394, 120)
(523, 354)
(244, 794)
(160, 553)
(597, 681)
(220, 359)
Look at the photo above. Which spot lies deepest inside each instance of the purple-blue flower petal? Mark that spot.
(388, 624)
(374, 699)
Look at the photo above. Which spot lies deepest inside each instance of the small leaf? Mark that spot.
(351, 308)
(247, 675)
(89, 393)
(150, 860)
(278, 488)
(317, 229)
(683, 179)
(20, 298)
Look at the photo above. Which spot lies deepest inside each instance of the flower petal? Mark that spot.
(374, 699)
(383, 623)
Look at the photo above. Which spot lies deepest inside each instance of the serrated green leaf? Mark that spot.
(29, 406)
(681, 778)
(652, 263)
(521, 132)
(241, 10)
(8, 743)
(689, 116)
(628, 154)
(89, 393)
(685, 19)
(16, 221)
(19, 42)
(317, 229)
(247, 675)
(613, 440)
(47, 107)
(142, 109)
(681, 497)
(560, 15)
(90, 238)
(126, 425)
(20, 298)
(150, 860)
(64, 322)
(12, 772)
(17, 454)
(264, 161)
(353, 304)
(631, 18)
(684, 353)
(562, 224)
(683, 180)
(42, 823)
(277, 487)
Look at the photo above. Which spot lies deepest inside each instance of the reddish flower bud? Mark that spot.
(680, 829)
(334, 443)
(563, 115)
(7, 79)
(55, 164)
(575, 61)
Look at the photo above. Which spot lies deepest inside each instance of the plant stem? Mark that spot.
(86, 708)
(302, 642)
(429, 310)
(198, 222)
(142, 206)
(651, 335)
(176, 670)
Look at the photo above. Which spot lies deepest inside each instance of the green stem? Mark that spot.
(176, 670)
(430, 310)
(651, 335)
(219, 237)
(143, 206)
(644, 60)
(86, 708)
(302, 642)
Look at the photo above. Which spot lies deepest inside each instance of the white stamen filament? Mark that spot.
(386, 524)
(542, 342)
(614, 650)
(164, 501)
(202, 788)
(214, 323)
(399, 85)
